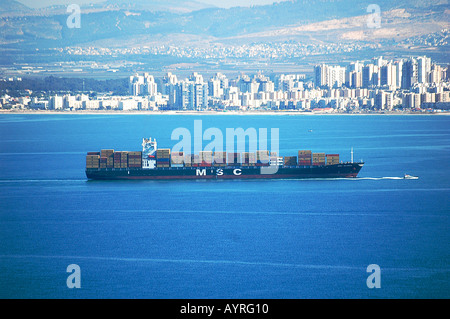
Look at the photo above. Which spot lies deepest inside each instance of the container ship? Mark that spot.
(162, 164)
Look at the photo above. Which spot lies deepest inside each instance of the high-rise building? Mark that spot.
(56, 102)
(214, 87)
(188, 95)
(411, 100)
(423, 69)
(320, 75)
(398, 71)
(330, 76)
(355, 66)
(196, 78)
(336, 76)
(356, 79)
(436, 74)
(367, 74)
(247, 85)
(142, 85)
(409, 73)
(388, 75)
(168, 81)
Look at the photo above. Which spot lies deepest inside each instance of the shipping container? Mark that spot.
(206, 157)
(318, 158)
(304, 156)
(106, 151)
(163, 153)
(248, 158)
(135, 154)
(162, 165)
(92, 157)
(290, 160)
(196, 159)
(92, 161)
(234, 158)
(187, 158)
(205, 164)
(177, 158)
(318, 155)
(220, 158)
(262, 157)
(332, 159)
(260, 153)
(177, 154)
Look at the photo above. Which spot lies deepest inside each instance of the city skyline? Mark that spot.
(376, 85)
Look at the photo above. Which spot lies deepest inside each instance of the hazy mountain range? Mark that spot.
(120, 22)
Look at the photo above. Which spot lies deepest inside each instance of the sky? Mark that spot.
(218, 3)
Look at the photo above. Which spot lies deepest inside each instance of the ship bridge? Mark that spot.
(149, 148)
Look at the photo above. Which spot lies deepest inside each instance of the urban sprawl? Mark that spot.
(380, 85)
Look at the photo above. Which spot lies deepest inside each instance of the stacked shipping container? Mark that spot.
(92, 161)
(234, 159)
(248, 159)
(195, 160)
(103, 162)
(262, 158)
(304, 157)
(177, 159)
(220, 159)
(290, 160)
(124, 160)
(163, 157)
(187, 159)
(332, 159)
(205, 158)
(117, 157)
(109, 155)
(107, 158)
(135, 159)
(318, 159)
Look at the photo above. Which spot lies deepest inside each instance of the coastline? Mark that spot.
(200, 113)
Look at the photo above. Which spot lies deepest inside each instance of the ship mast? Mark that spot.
(352, 155)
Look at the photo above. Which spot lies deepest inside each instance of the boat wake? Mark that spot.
(346, 178)
(377, 178)
(218, 262)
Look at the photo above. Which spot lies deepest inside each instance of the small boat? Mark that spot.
(410, 177)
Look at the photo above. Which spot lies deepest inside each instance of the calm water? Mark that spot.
(225, 239)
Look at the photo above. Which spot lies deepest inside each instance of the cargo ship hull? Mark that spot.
(342, 170)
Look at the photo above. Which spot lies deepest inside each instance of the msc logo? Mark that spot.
(201, 172)
(219, 172)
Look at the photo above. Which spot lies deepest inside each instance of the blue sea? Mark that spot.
(225, 239)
